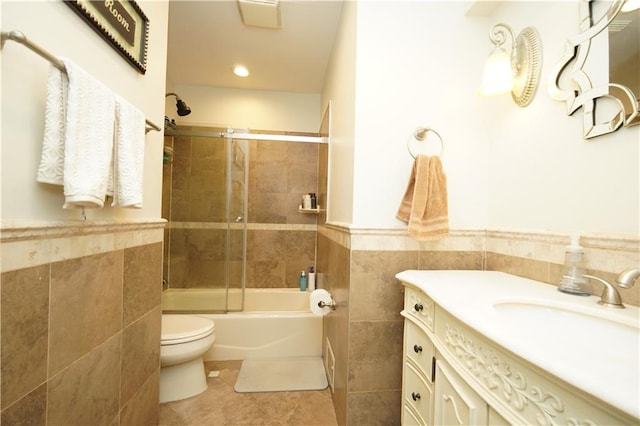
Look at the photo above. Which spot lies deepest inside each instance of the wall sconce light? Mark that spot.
(630, 6)
(517, 71)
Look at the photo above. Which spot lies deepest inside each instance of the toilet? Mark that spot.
(185, 339)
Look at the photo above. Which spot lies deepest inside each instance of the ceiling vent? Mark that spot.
(260, 13)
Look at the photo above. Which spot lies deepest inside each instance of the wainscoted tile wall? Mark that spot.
(333, 275)
(80, 323)
(358, 267)
(280, 240)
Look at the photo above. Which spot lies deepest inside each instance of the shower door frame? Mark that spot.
(230, 135)
(231, 160)
(230, 222)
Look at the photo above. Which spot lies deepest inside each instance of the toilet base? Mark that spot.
(182, 381)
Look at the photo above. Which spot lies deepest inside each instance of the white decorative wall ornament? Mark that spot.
(495, 372)
(578, 90)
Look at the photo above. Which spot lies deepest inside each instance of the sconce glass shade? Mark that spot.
(518, 71)
(498, 73)
(630, 6)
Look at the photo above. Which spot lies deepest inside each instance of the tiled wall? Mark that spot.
(80, 325)
(280, 240)
(333, 275)
(365, 330)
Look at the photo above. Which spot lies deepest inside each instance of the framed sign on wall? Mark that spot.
(122, 23)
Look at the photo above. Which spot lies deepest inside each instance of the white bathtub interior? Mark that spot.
(275, 322)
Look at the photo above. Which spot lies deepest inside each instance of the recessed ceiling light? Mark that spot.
(240, 71)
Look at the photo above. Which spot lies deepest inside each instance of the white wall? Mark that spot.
(543, 174)
(338, 88)
(56, 27)
(253, 109)
(420, 63)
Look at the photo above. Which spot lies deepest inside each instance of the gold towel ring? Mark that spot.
(420, 135)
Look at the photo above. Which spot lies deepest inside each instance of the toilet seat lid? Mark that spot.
(185, 328)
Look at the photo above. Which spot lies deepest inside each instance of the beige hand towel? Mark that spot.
(425, 202)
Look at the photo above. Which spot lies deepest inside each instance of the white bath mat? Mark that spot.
(281, 374)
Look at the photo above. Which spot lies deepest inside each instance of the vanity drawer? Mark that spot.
(417, 395)
(418, 348)
(410, 417)
(419, 306)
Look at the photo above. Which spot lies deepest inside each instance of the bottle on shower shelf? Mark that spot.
(306, 201)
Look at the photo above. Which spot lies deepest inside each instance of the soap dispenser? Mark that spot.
(573, 280)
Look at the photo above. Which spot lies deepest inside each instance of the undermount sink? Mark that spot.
(571, 321)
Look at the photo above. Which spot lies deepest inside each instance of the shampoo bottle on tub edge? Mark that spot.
(303, 281)
(311, 279)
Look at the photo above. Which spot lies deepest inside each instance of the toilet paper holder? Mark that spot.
(319, 300)
(323, 304)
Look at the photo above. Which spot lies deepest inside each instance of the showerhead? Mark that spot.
(183, 109)
(181, 106)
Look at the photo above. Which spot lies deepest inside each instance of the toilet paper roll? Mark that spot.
(317, 296)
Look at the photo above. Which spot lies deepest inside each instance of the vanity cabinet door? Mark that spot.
(496, 419)
(455, 402)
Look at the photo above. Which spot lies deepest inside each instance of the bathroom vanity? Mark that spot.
(486, 347)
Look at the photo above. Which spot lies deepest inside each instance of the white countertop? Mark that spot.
(588, 356)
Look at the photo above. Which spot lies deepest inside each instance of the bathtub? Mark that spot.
(275, 322)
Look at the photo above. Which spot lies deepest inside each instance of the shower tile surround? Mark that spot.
(80, 322)
(358, 267)
(280, 240)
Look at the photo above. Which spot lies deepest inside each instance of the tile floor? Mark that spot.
(220, 405)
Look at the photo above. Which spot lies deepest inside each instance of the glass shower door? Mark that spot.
(237, 178)
(205, 202)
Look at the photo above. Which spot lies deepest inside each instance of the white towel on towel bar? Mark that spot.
(128, 155)
(51, 169)
(79, 126)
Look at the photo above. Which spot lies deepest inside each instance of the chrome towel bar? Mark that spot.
(19, 37)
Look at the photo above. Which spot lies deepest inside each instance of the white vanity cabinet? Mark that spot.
(455, 375)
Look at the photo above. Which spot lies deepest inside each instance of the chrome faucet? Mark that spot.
(628, 277)
(610, 296)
